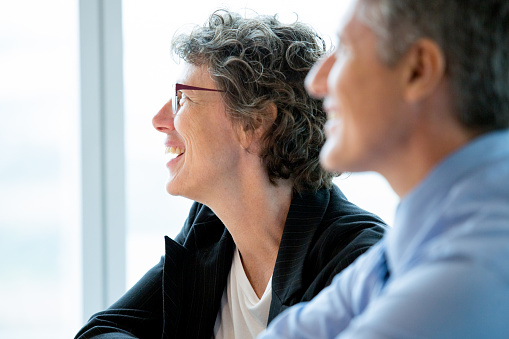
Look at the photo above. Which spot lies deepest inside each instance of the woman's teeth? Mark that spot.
(173, 152)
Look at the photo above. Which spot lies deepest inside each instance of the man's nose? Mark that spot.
(316, 80)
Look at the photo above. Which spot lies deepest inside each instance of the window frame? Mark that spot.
(102, 154)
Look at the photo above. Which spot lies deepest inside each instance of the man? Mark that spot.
(419, 91)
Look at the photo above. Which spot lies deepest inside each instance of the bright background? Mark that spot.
(40, 168)
(40, 283)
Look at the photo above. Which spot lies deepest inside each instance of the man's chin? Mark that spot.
(330, 156)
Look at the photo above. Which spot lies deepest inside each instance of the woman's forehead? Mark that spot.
(195, 75)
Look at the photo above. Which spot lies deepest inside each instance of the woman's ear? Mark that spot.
(425, 69)
(250, 138)
(269, 116)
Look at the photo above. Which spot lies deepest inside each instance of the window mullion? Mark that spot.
(103, 160)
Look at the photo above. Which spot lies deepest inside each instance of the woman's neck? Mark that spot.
(255, 215)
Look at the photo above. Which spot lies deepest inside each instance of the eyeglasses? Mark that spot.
(178, 94)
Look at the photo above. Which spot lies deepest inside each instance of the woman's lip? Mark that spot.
(174, 141)
(174, 160)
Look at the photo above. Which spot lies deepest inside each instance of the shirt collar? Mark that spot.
(417, 211)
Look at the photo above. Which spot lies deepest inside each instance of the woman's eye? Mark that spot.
(182, 99)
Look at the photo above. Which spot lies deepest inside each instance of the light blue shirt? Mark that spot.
(447, 257)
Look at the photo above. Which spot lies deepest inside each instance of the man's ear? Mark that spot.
(250, 138)
(425, 68)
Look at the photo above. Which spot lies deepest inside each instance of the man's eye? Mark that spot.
(341, 51)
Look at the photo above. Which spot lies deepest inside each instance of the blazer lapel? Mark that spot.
(173, 286)
(304, 217)
(196, 281)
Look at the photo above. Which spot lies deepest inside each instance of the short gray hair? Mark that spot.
(473, 36)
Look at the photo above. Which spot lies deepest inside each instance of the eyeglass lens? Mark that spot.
(176, 101)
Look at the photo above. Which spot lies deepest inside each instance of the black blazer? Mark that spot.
(181, 296)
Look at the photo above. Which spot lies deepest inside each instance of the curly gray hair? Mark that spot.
(260, 62)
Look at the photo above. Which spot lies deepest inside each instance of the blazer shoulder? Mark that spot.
(346, 232)
(345, 215)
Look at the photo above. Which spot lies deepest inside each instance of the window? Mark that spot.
(40, 275)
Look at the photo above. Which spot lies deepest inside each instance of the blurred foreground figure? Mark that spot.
(419, 92)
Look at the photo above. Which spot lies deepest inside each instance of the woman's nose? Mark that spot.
(163, 120)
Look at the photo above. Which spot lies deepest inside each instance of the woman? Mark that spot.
(268, 228)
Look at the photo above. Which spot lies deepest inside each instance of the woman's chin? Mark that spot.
(172, 189)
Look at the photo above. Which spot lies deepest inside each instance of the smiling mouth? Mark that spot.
(174, 152)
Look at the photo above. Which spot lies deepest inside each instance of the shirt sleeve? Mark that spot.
(454, 298)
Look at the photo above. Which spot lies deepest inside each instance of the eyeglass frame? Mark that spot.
(178, 87)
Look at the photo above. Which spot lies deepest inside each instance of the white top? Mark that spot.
(242, 313)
